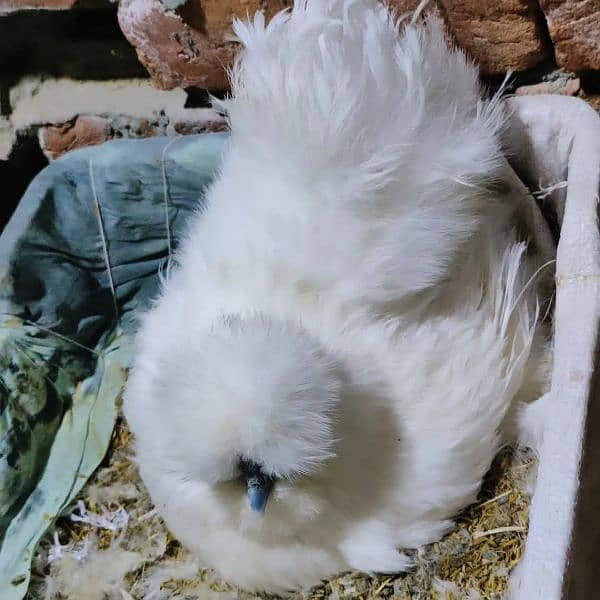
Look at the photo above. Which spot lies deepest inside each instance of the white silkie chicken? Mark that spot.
(343, 348)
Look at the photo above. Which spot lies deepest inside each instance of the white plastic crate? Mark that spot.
(556, 139)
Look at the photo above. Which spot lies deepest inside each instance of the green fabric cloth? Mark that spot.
(77, 260)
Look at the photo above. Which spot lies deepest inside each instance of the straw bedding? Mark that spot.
(111, 544)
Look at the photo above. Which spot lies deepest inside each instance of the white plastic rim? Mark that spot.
(554, 139)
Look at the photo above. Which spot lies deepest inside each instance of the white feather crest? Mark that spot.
(377, 137)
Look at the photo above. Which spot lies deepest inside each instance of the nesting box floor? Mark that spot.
(113, 545)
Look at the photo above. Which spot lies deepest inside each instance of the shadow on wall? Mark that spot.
(83, 43)
(78, 43)
(26, 160)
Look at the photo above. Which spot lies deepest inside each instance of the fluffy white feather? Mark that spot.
(349, 310)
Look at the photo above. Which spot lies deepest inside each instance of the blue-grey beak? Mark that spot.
(259, 485)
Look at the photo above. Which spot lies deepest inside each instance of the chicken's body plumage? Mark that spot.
(349, 310)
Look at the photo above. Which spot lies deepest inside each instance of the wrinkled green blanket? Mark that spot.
(78, 258)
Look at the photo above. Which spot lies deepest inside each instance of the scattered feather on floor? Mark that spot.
(112, 545)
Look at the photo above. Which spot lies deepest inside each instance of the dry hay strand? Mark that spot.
(120, 549)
